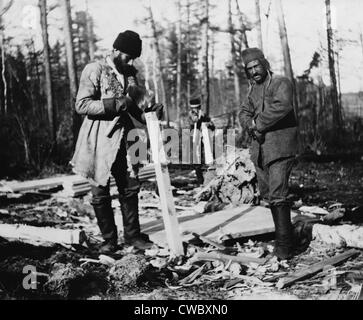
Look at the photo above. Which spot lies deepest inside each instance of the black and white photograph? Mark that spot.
(201, 152)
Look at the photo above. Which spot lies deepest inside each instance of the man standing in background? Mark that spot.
(197, 117)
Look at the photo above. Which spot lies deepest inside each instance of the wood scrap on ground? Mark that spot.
(41, 236)
(240, 258)
(208, 241)
(315, 268)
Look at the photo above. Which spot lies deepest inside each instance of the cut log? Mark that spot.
(41, 236)
(242, 259)
(315, 268)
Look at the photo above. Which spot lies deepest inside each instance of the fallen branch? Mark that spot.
(204, 256)
(315, 268)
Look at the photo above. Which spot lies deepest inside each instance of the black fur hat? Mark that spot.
(129, 42)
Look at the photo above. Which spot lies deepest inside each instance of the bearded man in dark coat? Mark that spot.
(268, 115)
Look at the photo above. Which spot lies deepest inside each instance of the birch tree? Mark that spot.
(48, 76)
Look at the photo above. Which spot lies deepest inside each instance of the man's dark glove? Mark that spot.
(124, 104)
(158, 108)
(129, 71)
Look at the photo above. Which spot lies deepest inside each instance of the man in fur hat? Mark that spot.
(107, 90)
(269, 117)
(197, 117)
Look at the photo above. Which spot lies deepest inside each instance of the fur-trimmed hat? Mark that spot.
(129, 42)
(195, 102)
(252, 54)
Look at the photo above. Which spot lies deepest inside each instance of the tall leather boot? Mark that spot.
(106, 223)
(284, 241)
(130, 217)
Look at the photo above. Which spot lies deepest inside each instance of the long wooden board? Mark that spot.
(40, 235)
(163, 180)
(244, 221)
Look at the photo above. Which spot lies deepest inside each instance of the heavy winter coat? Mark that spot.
(270, 105)
(99, 98)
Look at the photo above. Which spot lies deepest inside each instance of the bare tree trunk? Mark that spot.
(237, 85)
(286, 50)
(258, 25)
(205, 44)
(147, 74)
(179, 66)
(159, 64)
(48, 76)
(287, 60)
(90, 35)
(3, 9)
(188, 53)
(24, 138)
(72, 71)
(244, 39)
(337, 117)
(284, 41)
(339, 85)
(212, 56)
(155, 74)
(3, 66)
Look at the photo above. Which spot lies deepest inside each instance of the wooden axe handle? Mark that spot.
(111, 126)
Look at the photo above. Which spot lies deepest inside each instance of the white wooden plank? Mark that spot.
(39, 235)
(243, 221)
(164, 185)
(208, 153)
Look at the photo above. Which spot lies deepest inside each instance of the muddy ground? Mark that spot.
(61, 274)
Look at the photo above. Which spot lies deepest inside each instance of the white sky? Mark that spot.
(305, 21)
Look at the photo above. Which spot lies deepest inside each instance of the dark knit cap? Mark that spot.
(252, 54)
(195, 102)
(129, 42)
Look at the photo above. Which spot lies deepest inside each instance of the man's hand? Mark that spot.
(158, 108)
(251, 129)
(258, 136)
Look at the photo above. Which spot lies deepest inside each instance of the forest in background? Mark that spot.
(38, 125)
